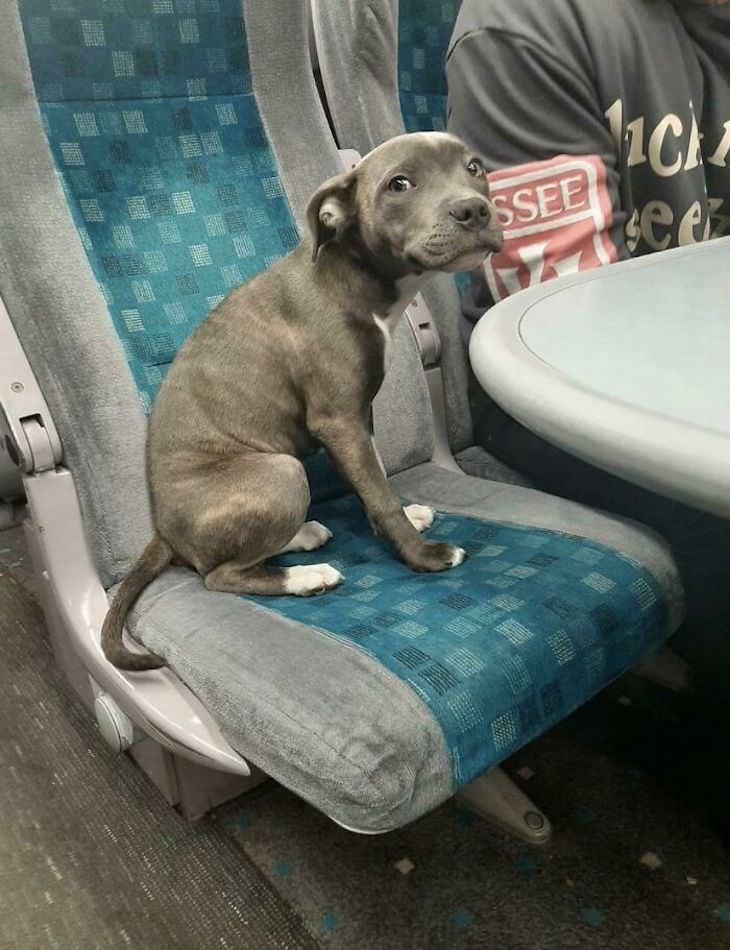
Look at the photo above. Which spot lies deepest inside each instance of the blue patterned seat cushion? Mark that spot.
(424, 31)
(499, 649)
(168, 173)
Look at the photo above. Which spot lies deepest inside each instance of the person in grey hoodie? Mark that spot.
(609, 120)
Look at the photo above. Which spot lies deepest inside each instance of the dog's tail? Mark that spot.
(154, 559)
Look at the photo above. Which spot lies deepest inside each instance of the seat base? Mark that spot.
(495, 797)
(666, 668)
(190, 788)
(456, 671)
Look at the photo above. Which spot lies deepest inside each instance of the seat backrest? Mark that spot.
(140, 185)
(167, 172)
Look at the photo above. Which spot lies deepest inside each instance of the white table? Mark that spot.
(626, 367)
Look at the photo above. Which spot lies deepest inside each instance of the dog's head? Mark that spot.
(419, 202)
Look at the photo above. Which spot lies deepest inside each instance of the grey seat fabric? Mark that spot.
(63, 324)
(324, 718)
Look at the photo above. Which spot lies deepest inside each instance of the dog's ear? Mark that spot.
(331, 210)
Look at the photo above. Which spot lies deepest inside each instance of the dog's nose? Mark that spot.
(472, 212)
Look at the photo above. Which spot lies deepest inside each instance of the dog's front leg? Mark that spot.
(420, 516)
(351, 448)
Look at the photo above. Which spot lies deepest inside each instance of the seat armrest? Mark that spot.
(29, 435)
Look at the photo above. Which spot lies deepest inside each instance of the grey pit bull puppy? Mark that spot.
(291, 361)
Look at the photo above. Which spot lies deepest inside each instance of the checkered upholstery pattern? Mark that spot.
(424, 31)
(525, 631)
(157, 138)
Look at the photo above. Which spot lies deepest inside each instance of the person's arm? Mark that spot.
(535, 118)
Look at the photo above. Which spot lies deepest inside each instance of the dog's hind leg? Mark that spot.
(261, 501)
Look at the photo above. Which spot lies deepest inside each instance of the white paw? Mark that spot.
(458, 557)
(310, 536)
(306, 579)
(420, 516)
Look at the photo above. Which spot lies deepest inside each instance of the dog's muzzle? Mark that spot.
(476, 214)
(472, 213)
(449, 242)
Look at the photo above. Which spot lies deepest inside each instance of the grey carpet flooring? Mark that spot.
(624, 780)
(89, 853)
(14, 558)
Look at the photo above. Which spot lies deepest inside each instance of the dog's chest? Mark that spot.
(388, 321)
(387, 324)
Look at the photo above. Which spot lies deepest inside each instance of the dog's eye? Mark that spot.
(475, 167)
(400, 183)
